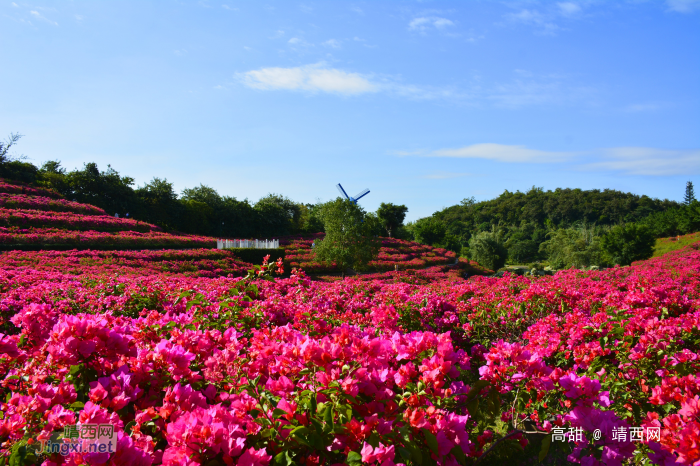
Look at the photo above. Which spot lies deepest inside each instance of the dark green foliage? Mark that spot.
(574, 247)
(560, 208)
(679, 220)
(625, 244)
(349, 241)
(429, 230)
(19, 171)
(689, 197)
(391, 216)
(255, 256)
(488, 250)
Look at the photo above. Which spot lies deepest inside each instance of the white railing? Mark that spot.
(247, 243)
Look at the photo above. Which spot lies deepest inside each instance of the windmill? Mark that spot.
(352, 199)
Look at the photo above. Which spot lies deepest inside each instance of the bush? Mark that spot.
(488, 250)
(625, 244)
(574, 247)
(255, 256)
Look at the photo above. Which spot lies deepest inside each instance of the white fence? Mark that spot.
(247, 243)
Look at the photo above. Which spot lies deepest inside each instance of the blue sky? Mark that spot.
(424, 103)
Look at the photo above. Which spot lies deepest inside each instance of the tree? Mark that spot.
(573, 247)
(429, 230)
(391, 216)
(348, 241)
(6, 145)
(689, 193)
(488, 250)
(625, 244)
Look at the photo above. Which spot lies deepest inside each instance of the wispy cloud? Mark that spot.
(683, 6)
(424, 23)
(638, 108)
(497, 152)
(644, 161)
(648, 161)
(38, 15)
(333, 43)
(546, 19)
(445, 175)
(569, 8)
(526, 89)
(226, 7)
(311, 78)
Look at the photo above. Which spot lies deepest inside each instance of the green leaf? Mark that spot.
(405, 454)
(328, 418)
(546, 442)
(77, 405)
(128, 426)
(278, 412)
(75, 369)
(431, 440)
(459, 455)
(354, 459)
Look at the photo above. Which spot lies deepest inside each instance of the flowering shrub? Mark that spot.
(24, 189)
(24, 201)
(249, 371)
(70, 221)
(55, 238)
(190, 262)
(393, 253)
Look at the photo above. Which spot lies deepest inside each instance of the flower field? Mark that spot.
(394, 252)
(53, 238)
(190, 262)
(11, 188)
(378, 370)
(70, 221)
(24, 201)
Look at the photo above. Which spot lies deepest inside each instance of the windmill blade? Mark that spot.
(362, 194)
(342, 191)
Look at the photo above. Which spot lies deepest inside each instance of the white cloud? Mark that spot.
(501, 153)
(648, 161)
(445, 175)
(543, 23)
(226, 7)
(640, 161)
(79, 17)
(569, 8)
(683, 6)
(332, 43)
(294, 40)
(15, 5)
(357, 10)
(636, 108)
(422, 24)
(313, 78)
(38, 15)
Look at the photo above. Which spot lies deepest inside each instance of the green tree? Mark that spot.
(429, 230)
(348, 241)
(625, 244)
(5, 146)
(689, 193)
(574, 247)
(488, 250)
(159, 203)
(391, 216)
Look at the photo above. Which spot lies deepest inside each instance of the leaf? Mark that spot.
(75, 369)
(546, 442)
(77, 405)
(459, 455)
(328, 419)
(128, 426)
(278, 412)
(431, 440)
(405, 454)
(477, 387)
(354, 459)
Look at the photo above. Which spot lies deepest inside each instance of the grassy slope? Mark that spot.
(664, 245)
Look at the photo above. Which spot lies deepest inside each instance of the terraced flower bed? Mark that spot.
(70, 221)
(394, 253)
(190, 262)
(25, 201)
(52, 238)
